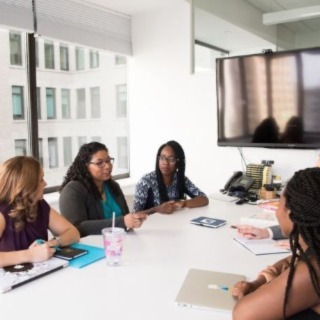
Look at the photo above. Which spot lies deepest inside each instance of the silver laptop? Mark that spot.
(208, 290)
(17, 275)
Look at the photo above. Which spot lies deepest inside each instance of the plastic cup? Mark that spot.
(113, 243)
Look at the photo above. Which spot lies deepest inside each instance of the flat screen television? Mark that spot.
(269, 99)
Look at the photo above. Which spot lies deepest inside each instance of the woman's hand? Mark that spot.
(251, 232)
(242, 288)
(40, 252)
(166, 207)
(134, 220)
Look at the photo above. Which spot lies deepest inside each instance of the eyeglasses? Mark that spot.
(102, 163)
(171, 160)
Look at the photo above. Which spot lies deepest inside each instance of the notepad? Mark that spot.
(261, 246)
(208, 222)
(94, 254)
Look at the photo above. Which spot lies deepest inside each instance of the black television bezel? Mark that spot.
(306, 146)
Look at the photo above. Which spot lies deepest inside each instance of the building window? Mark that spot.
(17, 103)
(81, 103)
(95, 103)
(64, 57)
(39, 102)
(49, 55)
(121, 92)
(20, 146)
(51, 103)
(94, 59)
(67, 151)
(79, 58)
(82, 141)
(65, 104)
(40, 151)
(37, 53)
(120, 60)
(122, 156)
(53, 152)
(15, 49)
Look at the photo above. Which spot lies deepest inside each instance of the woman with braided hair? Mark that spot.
(290, 288)
(165, 189)
(89, 195)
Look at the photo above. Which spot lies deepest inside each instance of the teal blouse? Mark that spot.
(109, 206)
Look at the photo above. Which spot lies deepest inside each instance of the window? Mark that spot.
(79, 58)
(51, 103)
(20, 146)
(37, 53)
(63, 98)
(65, 103)
(15, 49)
(53, 152)
(67, 151)
(17, 103)
(81, 100)
(94, 59)
(49, 55)
(39, 102)
(40, 151)
(122, 156)
(120, 60)
(95, 102)
(64, 57)
(121, 92)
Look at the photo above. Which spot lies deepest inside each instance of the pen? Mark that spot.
(215, 286)
(40, 241)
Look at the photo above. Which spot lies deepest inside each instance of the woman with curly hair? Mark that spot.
(89, 195)
(290, 289)
(26, 217)
(165, 190)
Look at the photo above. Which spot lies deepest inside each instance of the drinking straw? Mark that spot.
(113, 220)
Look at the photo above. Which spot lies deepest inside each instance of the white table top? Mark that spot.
(156, 259)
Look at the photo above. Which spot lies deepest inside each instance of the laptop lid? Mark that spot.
(208, 290)
(15, 276)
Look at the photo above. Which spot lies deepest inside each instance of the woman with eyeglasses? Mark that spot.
(165, 190)
(89, 195)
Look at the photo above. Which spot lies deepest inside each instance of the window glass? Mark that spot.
(20, 146)
(122, 156)
(51, 103)
(65, 103)
(94, 59)
(39, 102)
(53, 152)
(64, 57)
(49, 55)
(121, 91)
(81, 99)
(67, 151)
(15, 49)
(17, 102)
(120, 60)
(95, 102)
(79, 58)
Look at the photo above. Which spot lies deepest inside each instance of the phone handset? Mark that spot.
(231, 181)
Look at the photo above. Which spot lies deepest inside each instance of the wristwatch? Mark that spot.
(58, 240)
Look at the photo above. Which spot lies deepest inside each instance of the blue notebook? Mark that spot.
(94, 254)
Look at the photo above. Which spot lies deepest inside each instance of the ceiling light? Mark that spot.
(291, 15)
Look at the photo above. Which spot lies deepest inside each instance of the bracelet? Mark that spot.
(58, 240)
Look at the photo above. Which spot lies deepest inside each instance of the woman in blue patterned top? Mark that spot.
(165, 190)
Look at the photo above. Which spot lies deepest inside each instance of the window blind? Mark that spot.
(72, 21)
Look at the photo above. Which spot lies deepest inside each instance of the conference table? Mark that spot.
(156, 259)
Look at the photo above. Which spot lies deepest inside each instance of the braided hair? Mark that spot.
(180, 168)
(302, 195)
(78, 170)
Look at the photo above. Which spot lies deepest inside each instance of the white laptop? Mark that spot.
(17, 275)
(208, 290)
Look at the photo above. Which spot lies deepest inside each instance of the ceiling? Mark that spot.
(267, 6)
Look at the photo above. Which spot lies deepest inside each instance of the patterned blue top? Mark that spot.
(147, 191)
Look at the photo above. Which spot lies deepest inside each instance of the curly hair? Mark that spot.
(181, 166)
(78, 171)
(19, 184)
(302, 195)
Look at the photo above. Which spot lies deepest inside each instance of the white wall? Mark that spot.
(167, 103)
